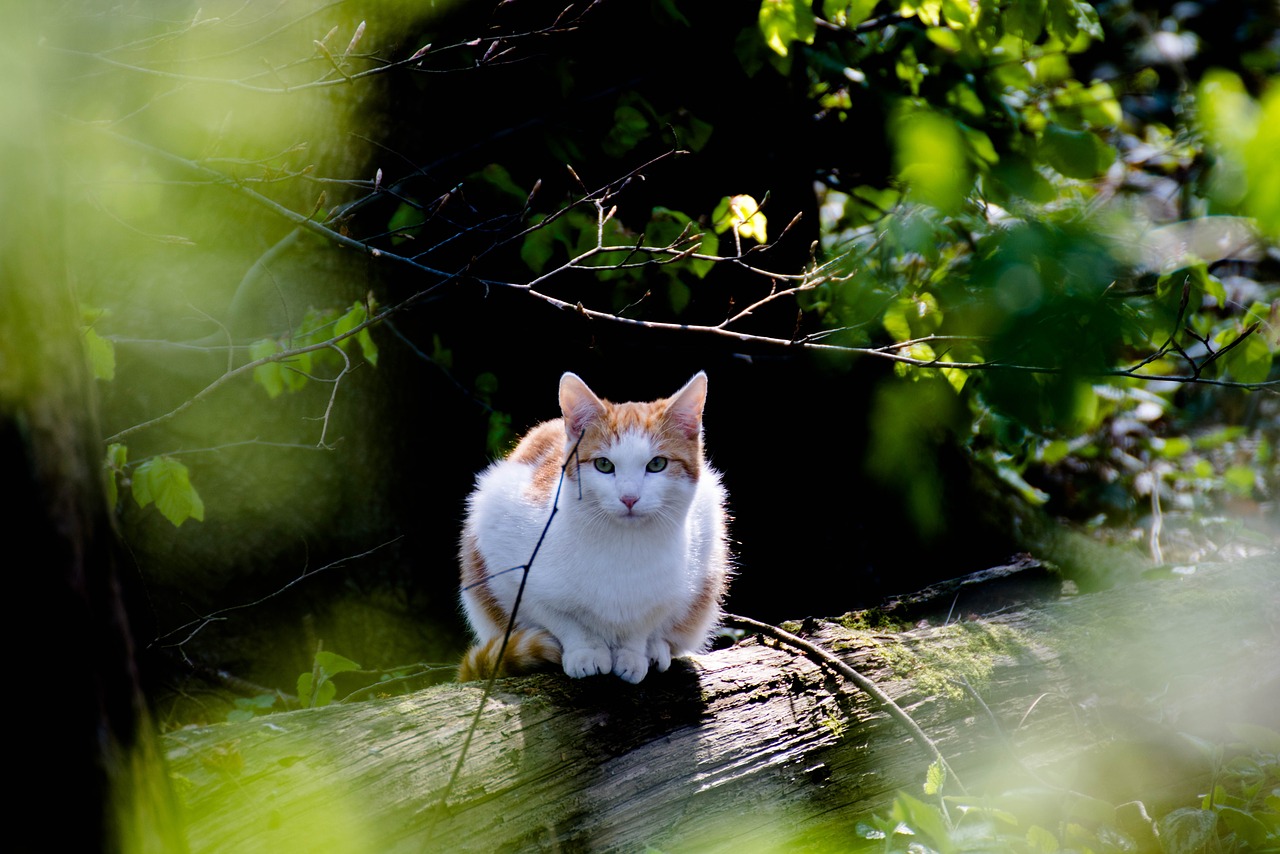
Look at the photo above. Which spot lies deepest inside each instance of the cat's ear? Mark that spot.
(578, 404)
(685, 406)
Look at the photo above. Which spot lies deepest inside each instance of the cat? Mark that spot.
(635, 562)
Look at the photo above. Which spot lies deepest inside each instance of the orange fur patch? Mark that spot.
(475, 576)
(528, 651)
(543, 448)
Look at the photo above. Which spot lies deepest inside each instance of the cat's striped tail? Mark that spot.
(528, 650)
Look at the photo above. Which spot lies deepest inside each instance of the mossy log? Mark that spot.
(757, 746)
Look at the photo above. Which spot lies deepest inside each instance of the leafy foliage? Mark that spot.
(1240, 814)
(316, 345)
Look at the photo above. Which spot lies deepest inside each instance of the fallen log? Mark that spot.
(759, 744)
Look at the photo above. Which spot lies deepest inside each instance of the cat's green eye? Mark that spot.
(603, 465)
(656, 464)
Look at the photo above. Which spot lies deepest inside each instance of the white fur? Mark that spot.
(609, 582)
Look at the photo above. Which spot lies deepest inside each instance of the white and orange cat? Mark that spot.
(635, 562)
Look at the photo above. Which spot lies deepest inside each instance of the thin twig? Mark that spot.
(511, 624)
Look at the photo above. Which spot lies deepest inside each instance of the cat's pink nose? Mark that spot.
(630, 500)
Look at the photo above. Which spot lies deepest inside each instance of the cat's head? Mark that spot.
(635, 461)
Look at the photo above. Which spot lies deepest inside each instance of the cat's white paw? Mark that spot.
(630, 665)
(659, 650)
(586, 661)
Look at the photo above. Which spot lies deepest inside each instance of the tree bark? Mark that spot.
(105, 770)
(757, 744)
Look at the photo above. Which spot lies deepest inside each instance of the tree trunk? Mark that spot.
(104, 771)
(759, 745)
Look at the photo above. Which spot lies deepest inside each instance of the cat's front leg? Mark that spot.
(582, 661)
(660, 652)
(631, 663)
(583, 652)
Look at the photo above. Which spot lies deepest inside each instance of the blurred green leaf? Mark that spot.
(1075, 153)
(785, 21)
(102, 354)
(1189, 831)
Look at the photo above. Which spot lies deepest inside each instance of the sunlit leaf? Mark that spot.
(101, 353)
(268, 375)
(1042, 841)
(930, 157)
(785, 21)
(1240, 480)
(925, 818)
(167, 483)
(743, 213)
(848, 13)
(935, 778)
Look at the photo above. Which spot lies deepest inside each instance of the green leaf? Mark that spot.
(1189, 831)
(1173, 447)
(357, 314)
(1055, 452)
(945, 38)
(928, 11)
(785, 21)
(1075, 153)
(497, 176)
(322, 696)
(102, 354)
(913, 317)
(710, 246)
(269, 375)
(630, 128)
(929, 152)
(935, 778)
(405, 223)
(959, 14)
(1041, 841)
(1063, 19)
(743, 213)
(538, 246)
(331, 663)
(848, 13)
(1248, 829)
(167, 483)
(1240, 480)
(678, 296)
(1250, 360)
(1025, 18)
(925, 818)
